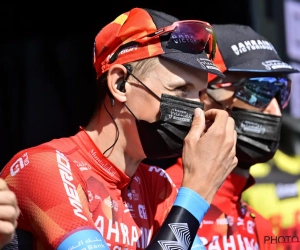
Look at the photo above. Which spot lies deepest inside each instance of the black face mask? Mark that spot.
(164, 138)
(258, 136)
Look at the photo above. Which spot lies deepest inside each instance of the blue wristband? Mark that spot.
(193, 202)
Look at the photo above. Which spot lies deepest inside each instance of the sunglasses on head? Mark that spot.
(259, 91)
(190, 36)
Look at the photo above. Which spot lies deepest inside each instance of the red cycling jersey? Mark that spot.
(229, 223)
(67, 186)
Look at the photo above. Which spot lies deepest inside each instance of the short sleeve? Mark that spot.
(50, 194)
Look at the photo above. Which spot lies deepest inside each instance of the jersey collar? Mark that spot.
(108, 170)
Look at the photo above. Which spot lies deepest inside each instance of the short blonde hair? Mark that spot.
(140, 69)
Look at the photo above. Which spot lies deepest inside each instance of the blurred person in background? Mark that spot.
(254, 92)
(9, 212)
(276, 194)
(89, 191)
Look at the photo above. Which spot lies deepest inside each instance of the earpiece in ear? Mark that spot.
(121, 86)
(111, 97)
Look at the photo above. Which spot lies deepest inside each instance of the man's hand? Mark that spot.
(9, 212)
(209, 152)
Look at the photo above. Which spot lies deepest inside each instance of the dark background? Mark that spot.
(47, 79)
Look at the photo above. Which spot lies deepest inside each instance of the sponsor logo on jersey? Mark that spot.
(121, 234)
(111, 203)
(19, 164)
(83, 166)
(133, 195)
(250, 227)
(222, 221)
(90, 195)
(67, 178)
(142, 212)
(137, 179)
(206, 222)
(230, 242)
(129, 209)
(161, 173)
(240, 221)
(108, 168)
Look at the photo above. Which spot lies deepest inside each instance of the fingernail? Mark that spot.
(197, 112)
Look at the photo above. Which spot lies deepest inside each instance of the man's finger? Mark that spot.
(214, 114)
(230, 126)
(198, 124)
(7, 197)
(3, 185)
(8, 213)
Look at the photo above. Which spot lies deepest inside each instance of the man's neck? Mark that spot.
(104, 134)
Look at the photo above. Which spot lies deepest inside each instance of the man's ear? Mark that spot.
(116, 82)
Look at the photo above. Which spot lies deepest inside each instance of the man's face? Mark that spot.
(225, 96)
(166, 77)
(142, 96)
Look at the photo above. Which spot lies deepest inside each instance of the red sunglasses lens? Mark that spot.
(190, 37)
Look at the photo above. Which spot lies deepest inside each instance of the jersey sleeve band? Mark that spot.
(192, 202)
